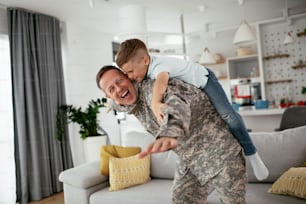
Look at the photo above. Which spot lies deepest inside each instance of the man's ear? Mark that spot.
(107, 96)
(146, 59)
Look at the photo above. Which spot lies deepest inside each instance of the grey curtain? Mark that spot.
(38, 89)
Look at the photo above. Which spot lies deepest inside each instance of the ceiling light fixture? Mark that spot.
(244, 33)
(288, 39)
(207, 57)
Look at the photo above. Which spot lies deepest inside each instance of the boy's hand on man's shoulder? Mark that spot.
(157, 110)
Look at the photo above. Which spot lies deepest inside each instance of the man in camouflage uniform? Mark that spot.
(208, 152)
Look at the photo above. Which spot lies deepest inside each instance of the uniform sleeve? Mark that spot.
(176, 117)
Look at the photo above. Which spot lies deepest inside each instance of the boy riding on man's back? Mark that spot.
(133, 58)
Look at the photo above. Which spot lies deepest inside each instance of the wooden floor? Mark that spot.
(57, 198)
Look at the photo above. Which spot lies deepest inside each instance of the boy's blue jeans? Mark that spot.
(218, 98)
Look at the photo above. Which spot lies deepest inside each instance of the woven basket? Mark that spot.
(242, 51)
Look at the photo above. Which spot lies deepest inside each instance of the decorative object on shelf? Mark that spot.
(254, 72)
(86, 119)
(288, 39)
(303, 89)
(285, 103)
(276, 56)
(243, 51)
(207, 57)
(219, 58)
(302, 102)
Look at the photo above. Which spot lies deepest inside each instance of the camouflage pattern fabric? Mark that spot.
(205, 144)
(229, 183)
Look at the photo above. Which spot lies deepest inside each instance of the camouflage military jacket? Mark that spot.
(204, 140)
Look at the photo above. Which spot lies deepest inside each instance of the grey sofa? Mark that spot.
(280, 150)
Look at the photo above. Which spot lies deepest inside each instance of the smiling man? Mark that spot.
(208, 152)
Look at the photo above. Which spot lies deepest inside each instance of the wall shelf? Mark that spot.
(301, 34)
(279, 81)
(299, 66)
(276, 56)
(223, 78)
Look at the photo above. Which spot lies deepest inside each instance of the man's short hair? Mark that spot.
(103, 70)
(129, 49)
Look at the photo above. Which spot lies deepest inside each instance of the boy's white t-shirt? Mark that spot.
(187, 71)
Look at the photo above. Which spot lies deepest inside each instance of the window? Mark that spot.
(7, 170)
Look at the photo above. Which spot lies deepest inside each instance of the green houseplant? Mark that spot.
(87, 119)
(303, 90)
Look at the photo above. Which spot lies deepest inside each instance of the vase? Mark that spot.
(92, 147)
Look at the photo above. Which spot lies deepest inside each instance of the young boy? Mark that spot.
(133, 58)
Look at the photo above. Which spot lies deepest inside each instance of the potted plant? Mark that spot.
(87, 119)
(304, 90)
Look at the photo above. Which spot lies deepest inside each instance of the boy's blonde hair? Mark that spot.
(129, 49)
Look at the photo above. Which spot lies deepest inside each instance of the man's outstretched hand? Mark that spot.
(162, 144)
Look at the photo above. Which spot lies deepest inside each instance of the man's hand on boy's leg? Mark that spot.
(162, 144)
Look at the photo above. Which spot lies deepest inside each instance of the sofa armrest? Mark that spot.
(81, 181)
(83, 176)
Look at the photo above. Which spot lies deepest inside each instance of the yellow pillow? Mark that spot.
(292, 182)
(108, 151)
(127, 172)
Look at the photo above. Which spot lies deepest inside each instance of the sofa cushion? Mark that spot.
(279, 151)
(163, 164)
(156, 191)
(292, 182)
(257, 194)
(128, 171)
(108, 151)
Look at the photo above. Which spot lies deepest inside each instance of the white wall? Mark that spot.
(85, 52)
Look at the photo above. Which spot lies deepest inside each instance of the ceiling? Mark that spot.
(161, 15)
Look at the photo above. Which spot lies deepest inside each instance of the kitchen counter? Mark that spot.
(262, 112)
(262, 120)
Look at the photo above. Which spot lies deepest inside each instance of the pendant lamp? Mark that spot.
(244, 34)
(207, 57)
(289, 39)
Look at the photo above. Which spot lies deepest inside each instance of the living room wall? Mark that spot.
(84, 52)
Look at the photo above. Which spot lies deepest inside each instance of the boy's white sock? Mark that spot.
(260, 170)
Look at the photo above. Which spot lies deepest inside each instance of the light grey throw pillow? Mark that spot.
(279, 151)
